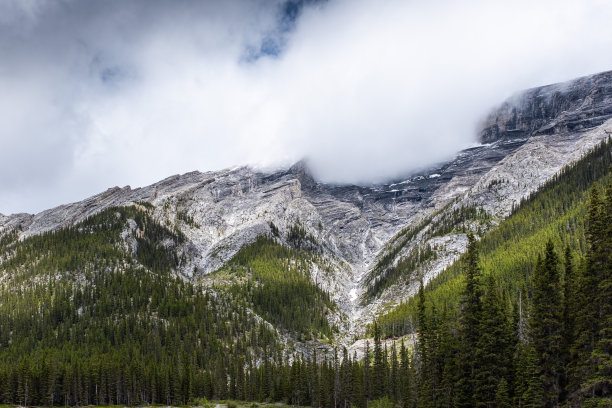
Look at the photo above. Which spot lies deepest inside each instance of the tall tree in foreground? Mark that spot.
(590, 381)
(547, 325)
(494, 349)
(469, 322)
(426, 354)
(598, 385)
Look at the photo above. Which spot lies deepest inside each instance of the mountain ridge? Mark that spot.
(357, 226)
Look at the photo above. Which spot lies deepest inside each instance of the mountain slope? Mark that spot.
(371, 261)
(557, 212)
(92, 314)
(226, 284)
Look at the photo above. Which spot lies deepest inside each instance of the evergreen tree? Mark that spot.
(378, 367)
(407, 391)
(424, 354)
(502, 396)
(588, 308)
(446, 350)
(470, 316)
(393, 377)
(494, 347)
(367, 376)
(598, 385)
(569, 312)
(547, 326)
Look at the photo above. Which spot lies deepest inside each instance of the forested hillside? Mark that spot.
(524, 318)
(509, 252)
(276, 282)
(87, 320)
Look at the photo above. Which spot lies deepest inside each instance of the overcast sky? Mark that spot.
(98, 93)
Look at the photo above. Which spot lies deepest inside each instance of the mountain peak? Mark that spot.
(303, 173)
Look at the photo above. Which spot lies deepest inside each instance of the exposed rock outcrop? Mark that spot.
(577, 105)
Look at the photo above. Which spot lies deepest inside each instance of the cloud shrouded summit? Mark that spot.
(103, 93)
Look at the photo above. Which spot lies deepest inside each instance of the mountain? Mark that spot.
(361, 229)
(231, 261)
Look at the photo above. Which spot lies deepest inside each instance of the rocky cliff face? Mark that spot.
(361, 230)
(573, 106)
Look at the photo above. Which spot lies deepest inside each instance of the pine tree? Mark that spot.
(378, 367)
(598, 384)
(423, 355)
(469, 327)
(367, 375)
(393, 377)
(406, 379)
(494, 347)
(358, 395)
(502, 396)
(569, 312)
(547, 326)
(532, 394)
(346, 380)
(447, 348)
(587, 318)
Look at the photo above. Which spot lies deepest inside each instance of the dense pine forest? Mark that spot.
(95, 314)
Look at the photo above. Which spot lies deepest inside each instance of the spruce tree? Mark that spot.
(569, 311)
(586, 322)
(378, 367)
(393, 377)
(447, 346)
(423, 355)
(598, 384)
(406, 378)
(494, 347)
(367, 375)
(502, 395)
(469, 323)
(547, 326)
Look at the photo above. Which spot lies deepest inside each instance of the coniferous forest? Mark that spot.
(523, 319)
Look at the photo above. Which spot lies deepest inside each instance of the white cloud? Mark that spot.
(367, 90)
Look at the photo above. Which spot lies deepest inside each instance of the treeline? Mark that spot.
(134, 337)
(550, 349)
(95, 314)
(85, 319)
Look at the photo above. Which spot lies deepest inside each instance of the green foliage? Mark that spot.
(556, 212)
(494, 349)
(590, 368)
(276, 282)
(456, 221)
(203, 402)
(383, 402)
(470, 319)
(98, 323)
(547, 325)
(95, 315)
(404, 269)
(298, 238)
(187, 219)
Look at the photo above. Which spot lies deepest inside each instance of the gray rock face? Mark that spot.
(577, 105)
(527, 140)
